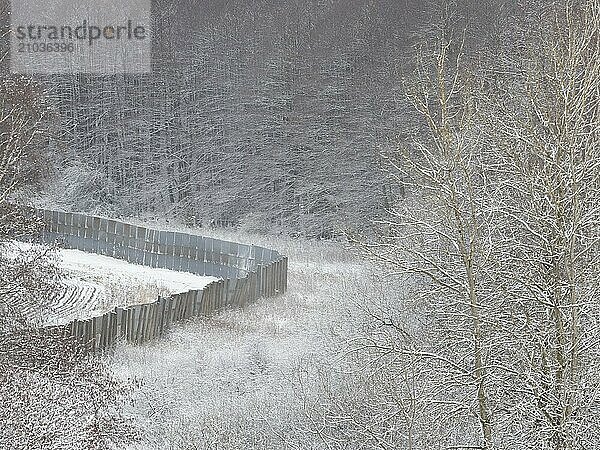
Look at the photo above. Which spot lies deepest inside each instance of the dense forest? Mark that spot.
(270, 116)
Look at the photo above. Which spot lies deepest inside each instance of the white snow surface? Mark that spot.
(84, 264)
(93, 284)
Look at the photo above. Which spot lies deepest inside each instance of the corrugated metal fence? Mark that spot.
(248, 272)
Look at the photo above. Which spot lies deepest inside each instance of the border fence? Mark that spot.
(246, 272)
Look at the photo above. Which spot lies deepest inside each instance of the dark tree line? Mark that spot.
(266, 115)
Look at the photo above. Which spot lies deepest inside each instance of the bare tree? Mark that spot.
(498, 230)
(546, 129)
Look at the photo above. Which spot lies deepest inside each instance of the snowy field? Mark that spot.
(91, 285)
(234, 380)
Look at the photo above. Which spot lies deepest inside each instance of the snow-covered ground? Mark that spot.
(85, 265)
(92, 284)
(234, 380)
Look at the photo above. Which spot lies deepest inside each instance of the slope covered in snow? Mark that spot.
(92, 284)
